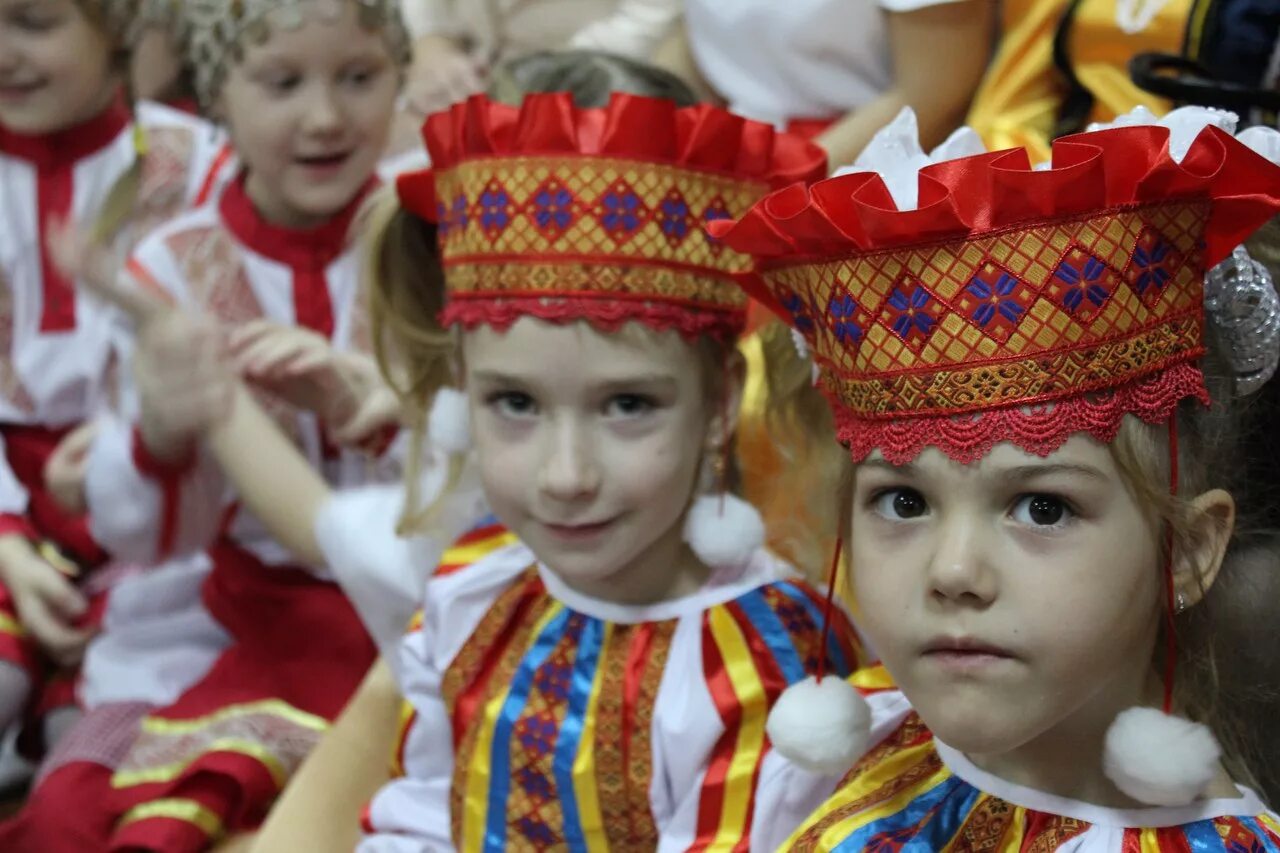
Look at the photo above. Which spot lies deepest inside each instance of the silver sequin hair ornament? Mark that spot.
(214, 33)
(1240, 301)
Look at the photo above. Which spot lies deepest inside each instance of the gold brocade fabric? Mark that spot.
(1022, 93)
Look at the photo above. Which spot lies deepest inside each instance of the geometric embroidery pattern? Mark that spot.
(901, 796)
(589, 226)
(552, 708)
(1026, 314)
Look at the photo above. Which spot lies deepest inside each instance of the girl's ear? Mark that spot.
(724, 421)
(1212, 521)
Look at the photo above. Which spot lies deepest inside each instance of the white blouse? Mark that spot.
(779, 60)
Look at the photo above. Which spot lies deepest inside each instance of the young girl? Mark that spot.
(70, 145)
(600, 673)
(1016, 360)
(306, 91)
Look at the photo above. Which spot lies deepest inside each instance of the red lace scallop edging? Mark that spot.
(1039, 429)
(607, 315)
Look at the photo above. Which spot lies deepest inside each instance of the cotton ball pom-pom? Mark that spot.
(1158, 758)
(449, 423)
(723, 534)
(822, 726)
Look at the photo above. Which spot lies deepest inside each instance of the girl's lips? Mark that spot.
(14, 91)
(577, 532)
(965, 654)
(324, 163)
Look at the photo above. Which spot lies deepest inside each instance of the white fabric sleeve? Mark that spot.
(411, 813)
(129, 511)
(912, 5)
(131, 514)
(383, 573)
(634, 30)
(13, 495)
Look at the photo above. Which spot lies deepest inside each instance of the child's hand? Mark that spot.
(184, 383)
(78, 257)
(47, 602)
(376, 407)
(64, 470)
(301, 367)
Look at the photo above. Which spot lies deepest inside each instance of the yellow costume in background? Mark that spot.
(1021, 98)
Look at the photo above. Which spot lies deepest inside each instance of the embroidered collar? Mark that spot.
(299, 248)
(71, 144)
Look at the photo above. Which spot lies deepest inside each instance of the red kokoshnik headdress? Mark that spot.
(1014, 305)
(564, 214)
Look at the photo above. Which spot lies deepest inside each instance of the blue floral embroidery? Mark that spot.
(454, 217)
(994, 299)
(553, 206)
(621, 211)
(1151, 266)
(493, 209)
(799, 312)
(844, 311)
(910, 309)
(675, 218)
(1083, 283)
(716, 211)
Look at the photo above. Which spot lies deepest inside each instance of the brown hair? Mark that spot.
(590, 75)
(1231, 618)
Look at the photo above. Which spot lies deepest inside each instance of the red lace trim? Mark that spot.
(1039, 429)
(607, 315)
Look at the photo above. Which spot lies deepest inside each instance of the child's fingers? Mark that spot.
(305, 362)
(58, 594)
(246, 334)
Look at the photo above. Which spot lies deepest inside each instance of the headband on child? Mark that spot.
(213, 31)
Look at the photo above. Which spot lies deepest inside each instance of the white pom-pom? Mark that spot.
(449, 423)
(822, 726)
(723, 530)
(1158, 758)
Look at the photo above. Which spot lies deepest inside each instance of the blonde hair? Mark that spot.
(795, 496)
(416, 356)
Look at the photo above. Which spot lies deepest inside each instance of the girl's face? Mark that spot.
(309, 111)
(589, 448)
(1014, 600)
(55, 66)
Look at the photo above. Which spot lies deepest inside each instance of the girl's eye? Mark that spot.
(629, 405)
(512, 404)
(900, 504)
(360, 76)
(37, 22)
(1041, 511)
(281, 84)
